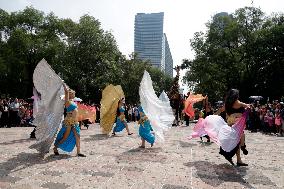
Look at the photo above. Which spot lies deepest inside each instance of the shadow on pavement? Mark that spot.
(142, 155)
(216, 174)
(186, 144)
(17, 141)
(205, 143)
(97, 137)
(22, 161)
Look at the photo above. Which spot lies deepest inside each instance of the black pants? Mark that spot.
(229, 155)
(4, 119)
(186, 118)
(14, 118)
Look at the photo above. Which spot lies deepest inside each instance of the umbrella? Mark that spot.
(255, 97)
(109, 103)
(76, 99)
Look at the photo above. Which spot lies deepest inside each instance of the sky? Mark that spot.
(182, 18)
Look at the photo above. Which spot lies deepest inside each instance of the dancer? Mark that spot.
(188, 105)
(111, 96)
(207, 111)
(120, 119)
(69, 134)
(158, 112)
(50, 112)
(235, 109)
(145, 130)
(229, 136)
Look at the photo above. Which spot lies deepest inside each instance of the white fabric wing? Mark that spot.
(159, 113)
(221, 133)
(164, 97)
(51, 106)
(36, 102)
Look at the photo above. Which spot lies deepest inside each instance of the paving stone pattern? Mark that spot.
(117, 162)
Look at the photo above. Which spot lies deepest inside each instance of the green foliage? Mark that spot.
(244, 50)
(84, 55)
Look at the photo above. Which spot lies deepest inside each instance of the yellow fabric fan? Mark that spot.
(109, 103)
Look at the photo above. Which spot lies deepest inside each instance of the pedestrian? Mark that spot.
(120, 119)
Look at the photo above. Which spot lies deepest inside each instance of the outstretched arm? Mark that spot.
(241, 104)
(66, 93)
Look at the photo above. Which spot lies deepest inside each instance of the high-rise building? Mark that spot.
(167, 59)
(218, 20)
(150, 42)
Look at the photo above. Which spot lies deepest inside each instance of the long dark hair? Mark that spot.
(231, 98)
(117, 110)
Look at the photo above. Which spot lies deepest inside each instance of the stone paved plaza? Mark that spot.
(116, 162)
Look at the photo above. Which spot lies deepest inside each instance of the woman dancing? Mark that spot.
(69, 135)
(120, 119)
(229, 136)
(145, 129)
(235, 109)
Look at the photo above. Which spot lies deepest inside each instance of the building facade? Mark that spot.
(167, 57)
(150, 42)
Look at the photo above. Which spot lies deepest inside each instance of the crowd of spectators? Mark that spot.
(267, 118)
(15, 112)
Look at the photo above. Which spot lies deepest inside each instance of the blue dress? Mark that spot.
(145, 132)
(68, 144)
(120, 124)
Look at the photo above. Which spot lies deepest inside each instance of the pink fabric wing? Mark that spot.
(188, 108)
(86, 112)
(219, 132)
(198, 129)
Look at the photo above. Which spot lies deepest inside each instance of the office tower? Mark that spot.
(150, 42)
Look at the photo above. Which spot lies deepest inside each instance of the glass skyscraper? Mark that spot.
(150, 42)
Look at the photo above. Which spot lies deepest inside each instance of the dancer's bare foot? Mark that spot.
(141, 146)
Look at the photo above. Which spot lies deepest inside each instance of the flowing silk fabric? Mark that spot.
(51, 107)
(188, 104)
(198, 130)
(219, 131)
(109, 103)
(86, 112)
(158, 112)
(164, 97)
(36, 102)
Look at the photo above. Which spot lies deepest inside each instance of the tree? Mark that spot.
(238, 51)
(83, 54)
